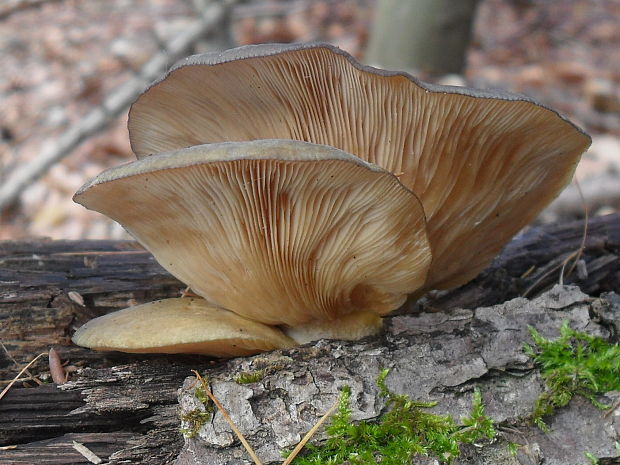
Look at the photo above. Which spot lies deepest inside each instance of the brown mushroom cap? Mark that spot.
(182, 325)
(282, 232)
(483, 163)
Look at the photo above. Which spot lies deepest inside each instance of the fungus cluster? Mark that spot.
(304, 195)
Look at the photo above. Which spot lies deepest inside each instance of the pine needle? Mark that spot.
(582, 247)
(247, 446)
(10, 385)
(229, 420)
(576, 254)
(30, 375)
(309, 434)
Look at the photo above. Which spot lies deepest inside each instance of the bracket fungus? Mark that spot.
(297, 188)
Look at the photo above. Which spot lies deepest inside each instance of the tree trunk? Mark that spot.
(431, 36)
(124, 407)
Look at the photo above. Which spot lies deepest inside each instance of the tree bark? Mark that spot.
(440, 356)
(431, 36)
(124, 407)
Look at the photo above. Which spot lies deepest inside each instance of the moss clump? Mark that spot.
(202, 396)
(404, 431)
(197, 418)
(513, 448)
(593, 459)
(574, 364)
(248, 377)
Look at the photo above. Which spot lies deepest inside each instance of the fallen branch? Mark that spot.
(114, 104)
(9, 7)
(123, 407)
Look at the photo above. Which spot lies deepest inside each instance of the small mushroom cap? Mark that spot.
(483, 163)
(183, 325)
(282, 232)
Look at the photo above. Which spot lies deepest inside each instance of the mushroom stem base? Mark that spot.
(350, 327)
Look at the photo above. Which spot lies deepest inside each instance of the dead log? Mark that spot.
(124, 407)
(49, 288)
(439, 356)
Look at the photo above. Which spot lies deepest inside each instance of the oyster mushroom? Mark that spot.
(182, 325)
(263, 182)
(281, 232)
(483, 163)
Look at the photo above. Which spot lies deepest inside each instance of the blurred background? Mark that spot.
(71, 68)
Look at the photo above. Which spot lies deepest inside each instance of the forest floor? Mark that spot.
(62, 57)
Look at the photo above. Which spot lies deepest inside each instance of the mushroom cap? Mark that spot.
(282, 232)
(483, 163)
(182, 325)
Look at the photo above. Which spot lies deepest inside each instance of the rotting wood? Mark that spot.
(124, 407)
(36, 278)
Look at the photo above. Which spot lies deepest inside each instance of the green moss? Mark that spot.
(197, 418)
(513, 448)
(248, 377)
(406, 429)
(591, 457)
(202, 396)
(574, 364)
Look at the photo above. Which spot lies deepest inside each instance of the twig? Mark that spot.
(574, 255)
(112, 106)
(528, 272)
(187, 292)
(542, 278)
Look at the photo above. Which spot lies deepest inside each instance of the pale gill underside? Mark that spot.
(482, 167)
(280, 242)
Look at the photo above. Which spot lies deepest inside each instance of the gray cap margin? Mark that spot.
(266, 50)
